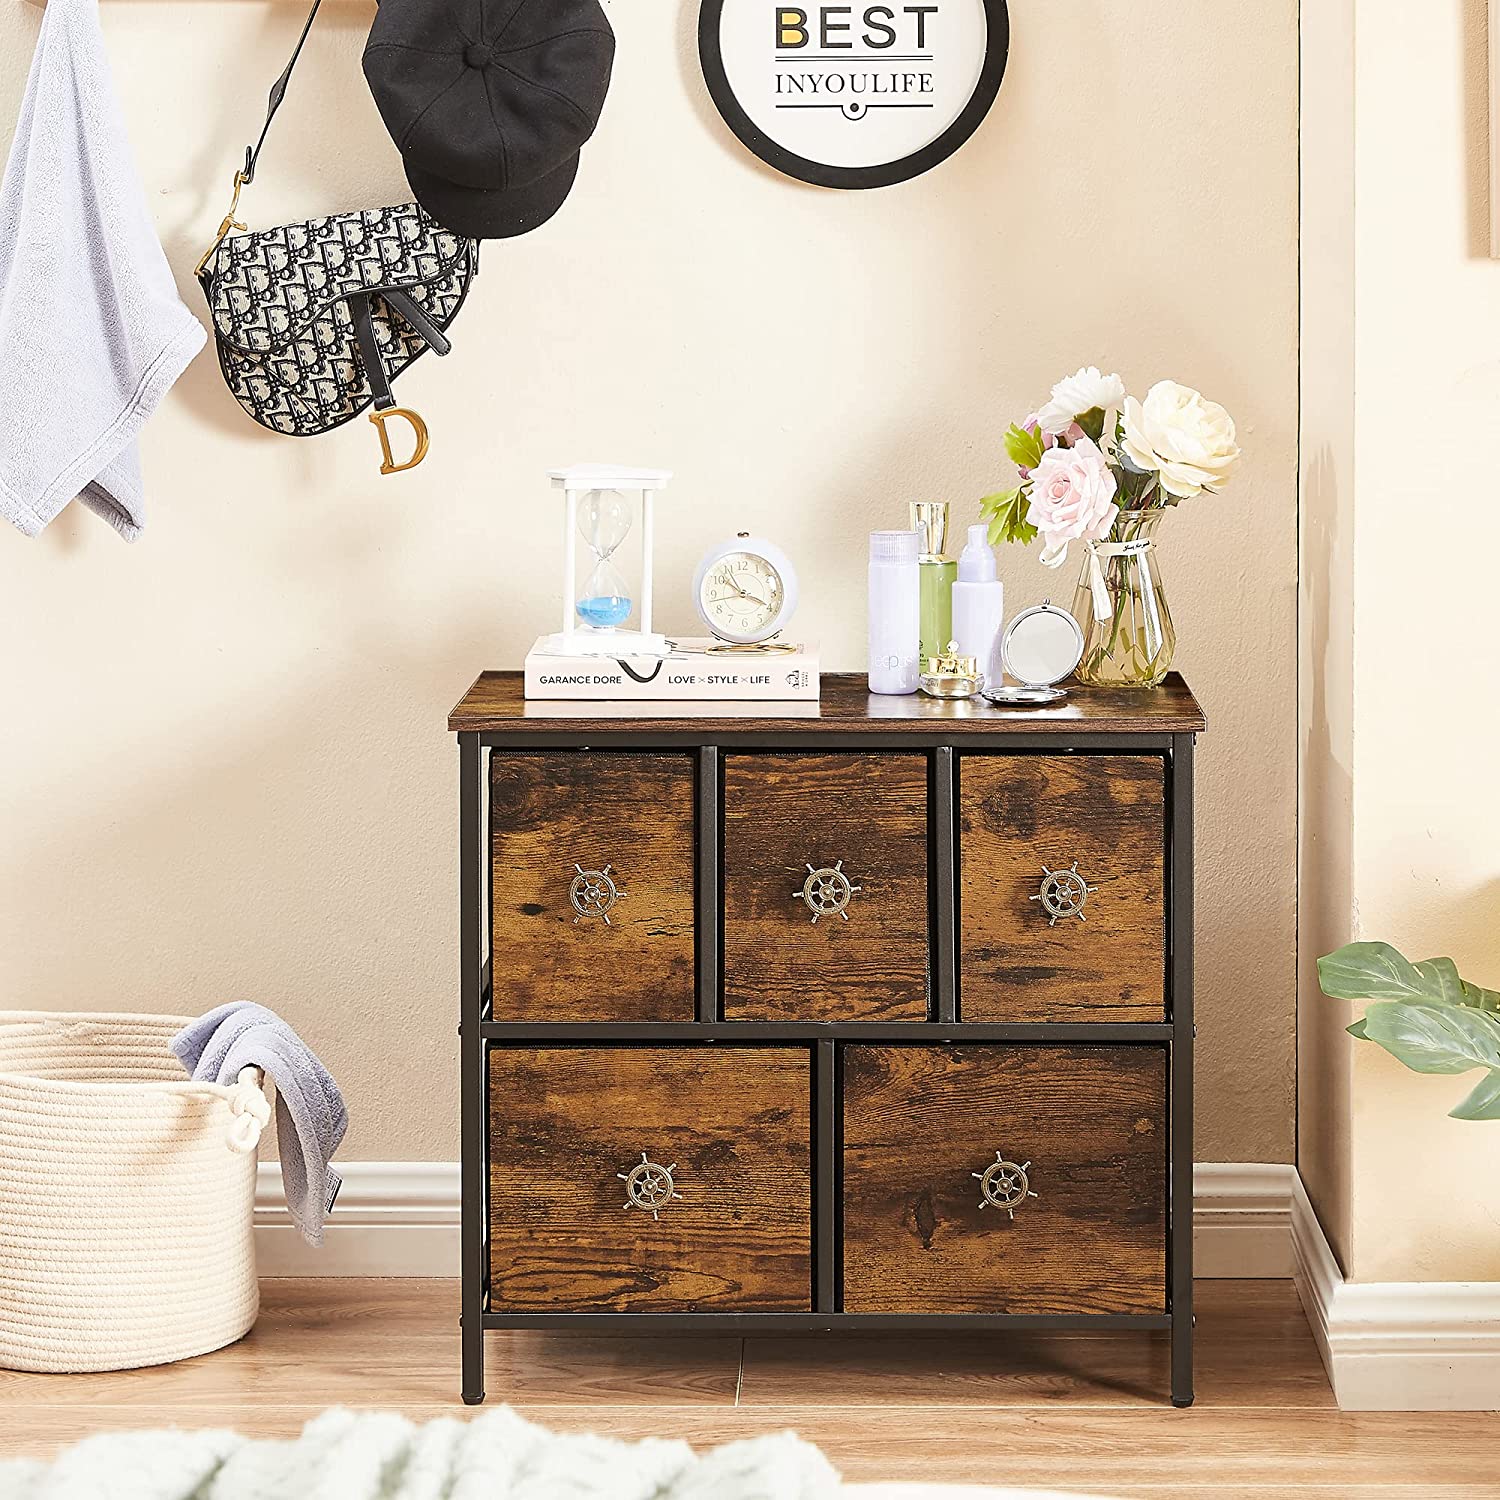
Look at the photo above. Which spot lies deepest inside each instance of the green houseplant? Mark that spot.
(1424, 1014)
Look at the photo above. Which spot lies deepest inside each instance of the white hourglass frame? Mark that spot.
(579, 640)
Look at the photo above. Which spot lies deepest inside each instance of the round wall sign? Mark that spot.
(853, 96)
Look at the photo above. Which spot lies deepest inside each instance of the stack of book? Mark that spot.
(693, 672)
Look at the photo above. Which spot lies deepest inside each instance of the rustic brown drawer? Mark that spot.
(825, 887)
(1087, 941)
(924, 1125)
(583, 1219)
(593, 886)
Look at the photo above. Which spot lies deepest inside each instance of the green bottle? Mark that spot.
(936, 575)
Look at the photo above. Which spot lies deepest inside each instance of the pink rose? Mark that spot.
(1072, 498)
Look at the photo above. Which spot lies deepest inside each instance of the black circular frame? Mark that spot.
(997, 50)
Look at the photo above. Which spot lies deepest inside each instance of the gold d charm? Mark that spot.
(418, 427)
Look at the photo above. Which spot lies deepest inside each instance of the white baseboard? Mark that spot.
(1397, 1345)
(392, 1218)
(401, 1219)
(1242, 1220)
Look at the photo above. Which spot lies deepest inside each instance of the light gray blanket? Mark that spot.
(92, 331)
(310, 1114)
(345, 1455)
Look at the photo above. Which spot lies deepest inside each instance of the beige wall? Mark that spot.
(1326, 612)
(1400, 733)
(224, 761)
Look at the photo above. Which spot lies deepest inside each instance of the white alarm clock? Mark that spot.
(745, 590)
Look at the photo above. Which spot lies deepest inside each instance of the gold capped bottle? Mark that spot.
(936, 572)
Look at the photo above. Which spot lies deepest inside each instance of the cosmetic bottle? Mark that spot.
(979, 604)
(929, 519)
(895, 612)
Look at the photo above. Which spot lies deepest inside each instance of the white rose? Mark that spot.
(1175, 433)
(1079, 393)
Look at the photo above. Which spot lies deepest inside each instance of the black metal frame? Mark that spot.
(479, 1031)
(884, 174)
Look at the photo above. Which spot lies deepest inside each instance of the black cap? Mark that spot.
(489, 103)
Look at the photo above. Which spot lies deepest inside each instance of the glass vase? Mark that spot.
(1128, 636)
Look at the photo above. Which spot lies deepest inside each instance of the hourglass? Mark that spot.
(604, 601)
(596, 614)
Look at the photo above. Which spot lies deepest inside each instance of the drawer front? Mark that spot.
(582, 1217)
(1084, 946)
(825, 887)
(927, 1134)
(593, 886)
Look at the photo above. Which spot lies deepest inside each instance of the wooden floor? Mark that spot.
(1076, 1412)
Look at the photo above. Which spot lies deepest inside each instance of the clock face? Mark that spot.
(742, 597)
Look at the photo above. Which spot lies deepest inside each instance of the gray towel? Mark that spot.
(310, 1114)
(92, 331)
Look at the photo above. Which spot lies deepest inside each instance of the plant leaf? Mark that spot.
(1457, 990)
(1376, 971)
(1373, 971)
(1483, 1103)
(1435, 1038)
(1440, 977)
(1358, 1030)
(1006, 513)
(1025, 448)
(1092, 422)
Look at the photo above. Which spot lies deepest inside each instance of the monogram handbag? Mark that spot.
(314, 321)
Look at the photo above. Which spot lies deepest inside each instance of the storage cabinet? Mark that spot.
(878, 1017)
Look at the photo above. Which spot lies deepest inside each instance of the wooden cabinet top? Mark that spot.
(496, 705)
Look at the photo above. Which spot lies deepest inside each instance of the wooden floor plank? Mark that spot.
(1084, 1414)
(1254, 1349)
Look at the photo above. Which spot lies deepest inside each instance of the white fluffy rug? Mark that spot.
(345, 1455)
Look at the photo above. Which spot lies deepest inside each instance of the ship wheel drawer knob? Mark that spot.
(594, 894)
(1063, 893)
(1004, 1184)
(827, 891)
(649, 1186)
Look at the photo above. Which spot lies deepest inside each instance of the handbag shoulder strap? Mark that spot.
(246, 174)
(278, 93)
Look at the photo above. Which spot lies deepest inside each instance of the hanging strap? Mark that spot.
(277, 94)
(246, 174)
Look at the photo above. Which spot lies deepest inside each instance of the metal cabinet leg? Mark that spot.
(471, 1053)
(1182, 1069)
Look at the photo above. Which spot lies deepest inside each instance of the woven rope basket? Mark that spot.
(127, 1194)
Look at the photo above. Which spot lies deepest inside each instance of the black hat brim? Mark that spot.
(492, 213)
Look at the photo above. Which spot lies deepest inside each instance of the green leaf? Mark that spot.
(1092, 422)
(1435, 1038)
(1373, 971)
(1440, 975)
(1443, 974)
(1376, 971)
(1358, 1030)
(1483, 1103)
(1025, 448)
(1006, 513)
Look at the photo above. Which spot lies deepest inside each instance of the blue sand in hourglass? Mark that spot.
(604, 611)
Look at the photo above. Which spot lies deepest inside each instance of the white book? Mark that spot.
(692, 673)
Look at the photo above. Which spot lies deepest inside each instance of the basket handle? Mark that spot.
(250, 1111)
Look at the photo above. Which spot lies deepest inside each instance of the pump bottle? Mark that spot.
(979, 604)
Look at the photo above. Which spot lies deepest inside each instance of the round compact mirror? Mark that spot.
(1040, 647)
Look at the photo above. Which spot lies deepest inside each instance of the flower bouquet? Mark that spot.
(1101, 468)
